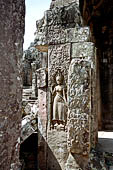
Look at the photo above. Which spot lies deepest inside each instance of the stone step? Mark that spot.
(27, 91)
(29, 101)
(29, 97)
(27, 94)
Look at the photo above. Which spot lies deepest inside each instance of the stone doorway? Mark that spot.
(106, 84)
(104, 46)
(98, 15)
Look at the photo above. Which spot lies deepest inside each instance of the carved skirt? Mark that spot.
(59, 108)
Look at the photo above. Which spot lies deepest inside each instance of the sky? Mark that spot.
(34, 11)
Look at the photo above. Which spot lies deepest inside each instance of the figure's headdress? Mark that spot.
(59, 76)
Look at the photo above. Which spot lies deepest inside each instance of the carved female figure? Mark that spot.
(59, 103)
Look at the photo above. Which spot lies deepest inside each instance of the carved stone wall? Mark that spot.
(59, 59)
(60, 3)
(11, 41)
(66, 85)
(82, 123)
(60, 22)
(79, 98)
(79, 107)
(67, 125)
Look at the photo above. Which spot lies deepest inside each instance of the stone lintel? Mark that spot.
(42, 48)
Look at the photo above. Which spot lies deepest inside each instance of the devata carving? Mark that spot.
(59, 102)
(59, 61)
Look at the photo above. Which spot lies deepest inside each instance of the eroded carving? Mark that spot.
(79, 106)
(59, 103)
(59, 59)
(41, 77)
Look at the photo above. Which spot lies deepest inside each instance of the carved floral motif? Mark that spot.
(59, 59)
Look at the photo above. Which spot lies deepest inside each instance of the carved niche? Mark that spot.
(59, 116)
(59, 61)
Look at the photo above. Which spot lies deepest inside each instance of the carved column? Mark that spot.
(82, 124)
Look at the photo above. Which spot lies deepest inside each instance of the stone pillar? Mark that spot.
(58, 66)
(11, 41)
(34, 80)
(82, 124)
(42, 117)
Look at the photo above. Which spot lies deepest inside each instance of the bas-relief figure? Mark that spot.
(59, 116)
(58, 64)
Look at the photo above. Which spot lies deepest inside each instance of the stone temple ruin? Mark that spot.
(52, 123)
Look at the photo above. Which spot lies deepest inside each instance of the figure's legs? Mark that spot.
(60, 110)
(55, 111)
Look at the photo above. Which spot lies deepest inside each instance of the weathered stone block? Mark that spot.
(27, 129)
(59, 59)
(81, 34)
(83, 50)
(42, 114)
(60, 3)
(71, 163)
(79, 98)
(41, 77)
(42, 128)
(57, 150)
(61, 24)
(79, 107)
(61, 35)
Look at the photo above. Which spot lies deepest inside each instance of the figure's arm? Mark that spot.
(54, 90)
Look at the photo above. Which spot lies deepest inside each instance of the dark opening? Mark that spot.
(28, 153)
